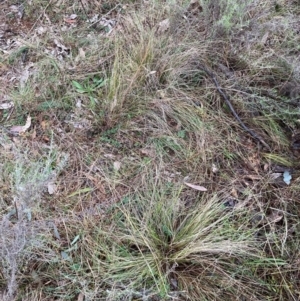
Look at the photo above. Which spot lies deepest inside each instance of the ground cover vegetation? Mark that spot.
(149, 150)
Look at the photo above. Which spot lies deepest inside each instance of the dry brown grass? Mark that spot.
(123, 115)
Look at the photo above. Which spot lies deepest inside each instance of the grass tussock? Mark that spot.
(168, 248)
(135, 180)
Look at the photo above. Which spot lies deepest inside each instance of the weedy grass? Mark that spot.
(26, 175)
(135, 181)
(161, 245)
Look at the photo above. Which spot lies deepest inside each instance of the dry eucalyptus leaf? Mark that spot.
(252, 177)
(234, 193)
(94, 19)
(41, 30)
(109, 156)
(73, 16)
(19, 129)
(6, 105)
(60, 45)
(55, 232)
(264, 38)
(80, 297)
(163, 26)
(214, 168)
(196, 187)
(14, 8)
(78, 103)
(71, 19)
(275, 175)
(113, 104)
(148, 152)
(51, 188)
(80, 56)
(117, 165)
(26, 73)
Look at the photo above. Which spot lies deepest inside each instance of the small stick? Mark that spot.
(235, 114)
(83, 8)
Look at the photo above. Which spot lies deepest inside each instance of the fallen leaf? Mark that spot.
(19, 129)
(41, 30)
(20, 11)
(27, 124)
(60, 51)
(3, 68)
(148, 152)
(113, 104)
(16, 130)
(234, 193)
(78, 103)
(55, 231)
(196, 187)
(110, 156)
(80, 297)
(254, 162)
(214, 168)
(44, 124)
(266, 166)
(264, 38)
(29, 215)
(33, 134)
(117, 165)
(80, 56)
(65, 256)
(28, 70)
(76, 238)
(94, 19)
(45, 138)
(51, 188)
(96, 182)
(6, 105)
(252, 177)
(73, 16)
(163, 26)
(60, 45)
(70, 21)
(275, 175)
(14, 8)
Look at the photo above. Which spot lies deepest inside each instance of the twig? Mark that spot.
(103, 16)
(83, 8)
(237, 117)
(39, 18)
